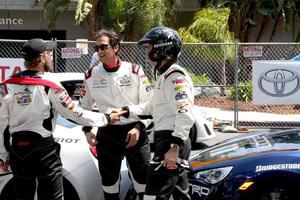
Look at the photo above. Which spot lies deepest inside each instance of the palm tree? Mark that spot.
(241, 17)
(243, 14)
(210, 25)
(132, 18)
(135, 17)
(279, 11)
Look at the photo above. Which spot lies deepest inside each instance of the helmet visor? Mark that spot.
(144, 42)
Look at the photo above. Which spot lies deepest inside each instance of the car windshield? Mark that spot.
(251, 145)
(73, 88)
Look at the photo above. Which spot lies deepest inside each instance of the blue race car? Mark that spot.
(258, 166)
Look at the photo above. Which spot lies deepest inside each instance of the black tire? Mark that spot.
(69, 191)
(193, 138)
(8, 191)
(276, 190)
(193, 135)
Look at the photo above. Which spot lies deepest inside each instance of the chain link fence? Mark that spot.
(221, 72)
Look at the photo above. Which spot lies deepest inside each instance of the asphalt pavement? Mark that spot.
(216, 114)
(228, 115)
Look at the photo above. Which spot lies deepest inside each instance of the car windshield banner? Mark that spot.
(276, 82)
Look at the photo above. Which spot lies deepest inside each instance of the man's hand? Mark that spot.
(132, 137)
(115, 114)
(91, 138)
(113, 110)
(171, 158)
(4, 165)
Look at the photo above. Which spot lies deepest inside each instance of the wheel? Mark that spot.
(193, 138)
(69, 191)
(193, 134)
(277, 190)
(8, 191)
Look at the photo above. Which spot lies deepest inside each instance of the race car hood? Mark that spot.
(260, 143)
(74, 147)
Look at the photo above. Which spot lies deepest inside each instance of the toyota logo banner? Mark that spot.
(276, 82)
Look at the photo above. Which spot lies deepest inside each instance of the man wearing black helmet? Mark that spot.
(30, 102)
(172, 111)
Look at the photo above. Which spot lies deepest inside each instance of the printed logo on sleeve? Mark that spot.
(178, 81)
(180, 95)
(66, 100)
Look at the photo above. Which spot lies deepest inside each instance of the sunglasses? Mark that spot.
(101, 46)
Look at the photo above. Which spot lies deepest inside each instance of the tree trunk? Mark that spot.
(95, 21)
(263, 28)
(275, 26)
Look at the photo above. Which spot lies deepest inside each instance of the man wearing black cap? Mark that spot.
(29, 105)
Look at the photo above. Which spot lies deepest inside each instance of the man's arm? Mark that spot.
(180, 96)
(63, 104)
(145, 92)
(4, 154)
(86, 101)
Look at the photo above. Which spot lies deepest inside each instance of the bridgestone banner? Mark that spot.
(276, 82)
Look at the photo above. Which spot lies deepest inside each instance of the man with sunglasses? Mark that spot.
(30, 103)
(110, 84)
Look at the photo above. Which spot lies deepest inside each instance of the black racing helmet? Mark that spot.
(166, 43)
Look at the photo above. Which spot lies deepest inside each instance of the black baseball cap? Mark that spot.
(34, 47)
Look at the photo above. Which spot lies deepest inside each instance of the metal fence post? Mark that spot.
(236, 83)
(55, 63)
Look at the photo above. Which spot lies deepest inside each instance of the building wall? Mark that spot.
(33, 20)
(27, 16)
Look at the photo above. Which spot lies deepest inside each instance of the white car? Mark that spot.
(82, 180)
(201, 131)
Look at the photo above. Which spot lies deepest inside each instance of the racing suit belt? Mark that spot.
(29, 139)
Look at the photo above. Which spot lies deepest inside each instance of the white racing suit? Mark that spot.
(112, 88)
(30, 104)
(173, 117)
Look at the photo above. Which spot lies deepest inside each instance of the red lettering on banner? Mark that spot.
(2, 69)
(5, 71)
(17, 69)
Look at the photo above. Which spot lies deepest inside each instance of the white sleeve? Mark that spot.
(181, 99)
(142, 109)
(86, 101)
(64, 105)
(3, 125)
(145, 92)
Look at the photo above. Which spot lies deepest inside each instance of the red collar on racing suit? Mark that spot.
(31, 81)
